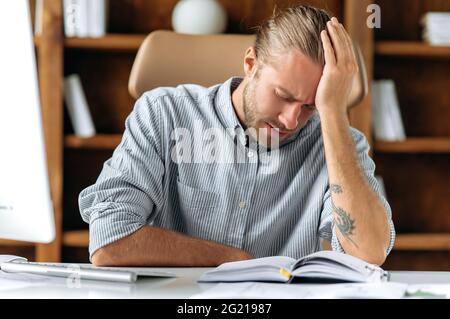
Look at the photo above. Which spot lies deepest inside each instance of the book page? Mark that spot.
(259, 269)
(340, 265)
(275, 262)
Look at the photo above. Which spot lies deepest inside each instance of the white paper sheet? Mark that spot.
(253, 290)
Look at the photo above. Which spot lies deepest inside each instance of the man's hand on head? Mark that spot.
(339, 72)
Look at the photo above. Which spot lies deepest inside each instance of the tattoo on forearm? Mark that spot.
(344, 222)
(337, 189)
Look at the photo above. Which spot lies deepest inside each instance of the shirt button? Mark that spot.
(242, 204)
(250, 154)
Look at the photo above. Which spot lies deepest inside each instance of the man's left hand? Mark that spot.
(339, 71)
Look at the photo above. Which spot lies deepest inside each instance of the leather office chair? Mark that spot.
(167, 58)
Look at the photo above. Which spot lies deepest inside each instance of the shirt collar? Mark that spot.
(225, 105)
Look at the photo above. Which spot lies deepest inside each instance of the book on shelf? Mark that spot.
(85, 18)
(77, 107)
(71, 14)
(97, 18)
(75, 18)
(436, 28)
(387, 120)
(319, 267)
(38, 15)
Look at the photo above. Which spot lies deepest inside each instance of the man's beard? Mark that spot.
(249, 106)
(251, 119)
(256, 124)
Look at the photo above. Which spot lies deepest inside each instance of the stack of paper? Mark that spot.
(436, 28)
(387, 120)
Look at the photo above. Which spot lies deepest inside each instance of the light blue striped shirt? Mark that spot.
(265, 202)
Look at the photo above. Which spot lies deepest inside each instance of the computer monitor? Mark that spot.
(26, 212)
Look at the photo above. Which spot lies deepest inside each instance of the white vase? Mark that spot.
(199, 17)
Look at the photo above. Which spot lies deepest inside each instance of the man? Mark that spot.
(299, 173)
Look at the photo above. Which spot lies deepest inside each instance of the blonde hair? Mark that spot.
(296, 27)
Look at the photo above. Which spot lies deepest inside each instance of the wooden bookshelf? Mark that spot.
(14, 243)
(416, 171)
(98, 142)
(111, 42)
(76, 238)
(411, 49)
(49, 53)
(426, 242)
(415, 145)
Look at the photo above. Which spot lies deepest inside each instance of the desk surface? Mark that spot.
(183, 286)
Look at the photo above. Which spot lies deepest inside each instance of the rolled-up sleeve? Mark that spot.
(128, 191)
(326, 229)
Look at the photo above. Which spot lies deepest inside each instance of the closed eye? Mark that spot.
(285, 98)
(309, 107)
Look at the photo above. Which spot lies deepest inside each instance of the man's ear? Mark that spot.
(250, 64)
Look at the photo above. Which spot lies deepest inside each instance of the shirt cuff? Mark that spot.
(110, 227)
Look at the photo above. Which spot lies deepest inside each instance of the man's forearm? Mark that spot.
(360, 217)
(152, 246)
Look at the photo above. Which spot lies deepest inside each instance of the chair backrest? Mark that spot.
(166, 58)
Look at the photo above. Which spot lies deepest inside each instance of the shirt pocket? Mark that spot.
(196, 198)
(199, 210)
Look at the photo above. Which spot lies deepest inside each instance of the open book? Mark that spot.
(320, 267)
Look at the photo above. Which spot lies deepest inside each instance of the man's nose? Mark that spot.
(290, 115)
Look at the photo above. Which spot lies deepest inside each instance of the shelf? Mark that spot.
(415, 145)
(15, 243)
(110, 42)
(98, 142)
(425, 242)
(76, 238)
(411, 49)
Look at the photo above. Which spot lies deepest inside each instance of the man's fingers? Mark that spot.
(342, 42)
(349, 57)
(330, 57)
(345, 36)
(339, 42)
(351, 47)
(336, 37)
